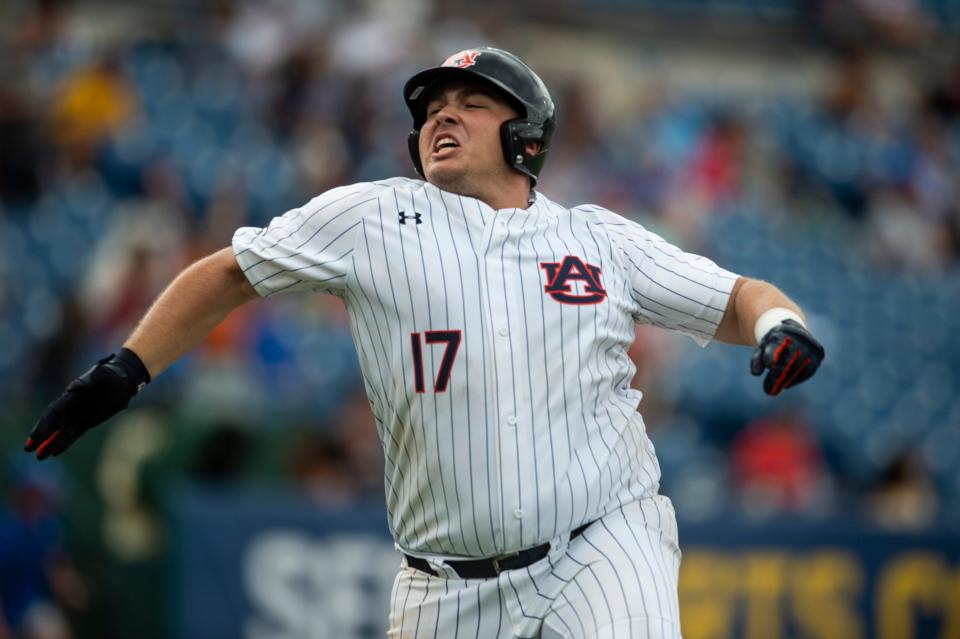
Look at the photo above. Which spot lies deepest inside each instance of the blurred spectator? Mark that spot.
(143, 251)
(356, 431)
(20, 139)
(296, 79)
(323, 156)
(221, 456)
(226, 211)
(937, 170)
(777, 466)
(903, 496)
(44, 47)
(654, 353)
(848, 121)
(902, 236)
(50, 371)
(43, 28)
(93, 103)
(343, 460)
(581, 163)
(711, 178)
(257, 34)
(901, 23)
(36, 577)
(942, 98)
(715, 169)
(321, 470)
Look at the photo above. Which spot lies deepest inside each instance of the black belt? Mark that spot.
(489, 568)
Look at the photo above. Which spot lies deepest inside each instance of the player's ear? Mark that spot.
(532, 147)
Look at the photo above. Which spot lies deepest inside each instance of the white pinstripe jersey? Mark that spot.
(493, 346)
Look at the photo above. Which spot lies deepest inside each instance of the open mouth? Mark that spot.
(444, 143)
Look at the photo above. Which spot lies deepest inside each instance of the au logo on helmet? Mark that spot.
(462, 60)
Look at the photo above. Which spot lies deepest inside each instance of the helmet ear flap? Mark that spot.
(413, 144)
(514, 135)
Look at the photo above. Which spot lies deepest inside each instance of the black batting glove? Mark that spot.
(790, 352)
(91, 399)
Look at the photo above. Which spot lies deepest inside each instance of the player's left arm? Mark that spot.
(759, 314)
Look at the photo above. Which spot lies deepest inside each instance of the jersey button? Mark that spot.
(512, 420)
(503, 331)
(518, 513)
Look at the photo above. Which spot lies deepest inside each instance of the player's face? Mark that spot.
(460, 140)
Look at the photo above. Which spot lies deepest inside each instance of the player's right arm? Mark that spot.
(309, 248)
(182, 316)
(189, 309)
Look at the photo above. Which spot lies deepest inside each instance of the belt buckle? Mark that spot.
(496, 562)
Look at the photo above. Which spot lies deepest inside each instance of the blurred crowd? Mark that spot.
(129, 151)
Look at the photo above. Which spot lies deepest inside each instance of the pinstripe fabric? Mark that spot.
(535, 431)
(617, 580)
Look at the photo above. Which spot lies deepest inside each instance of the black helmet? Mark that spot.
(513, 79)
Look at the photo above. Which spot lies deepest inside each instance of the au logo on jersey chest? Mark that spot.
(573, 269)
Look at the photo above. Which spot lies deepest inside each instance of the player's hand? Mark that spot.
(790, 352)
(91, 399)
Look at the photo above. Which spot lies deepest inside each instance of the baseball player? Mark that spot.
(492, 327)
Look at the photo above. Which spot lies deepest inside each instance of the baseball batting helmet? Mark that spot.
(510, 77)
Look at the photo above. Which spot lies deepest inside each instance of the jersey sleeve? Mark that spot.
(670, 288)
(308, 248)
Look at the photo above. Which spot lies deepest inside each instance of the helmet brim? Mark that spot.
(420, 88)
